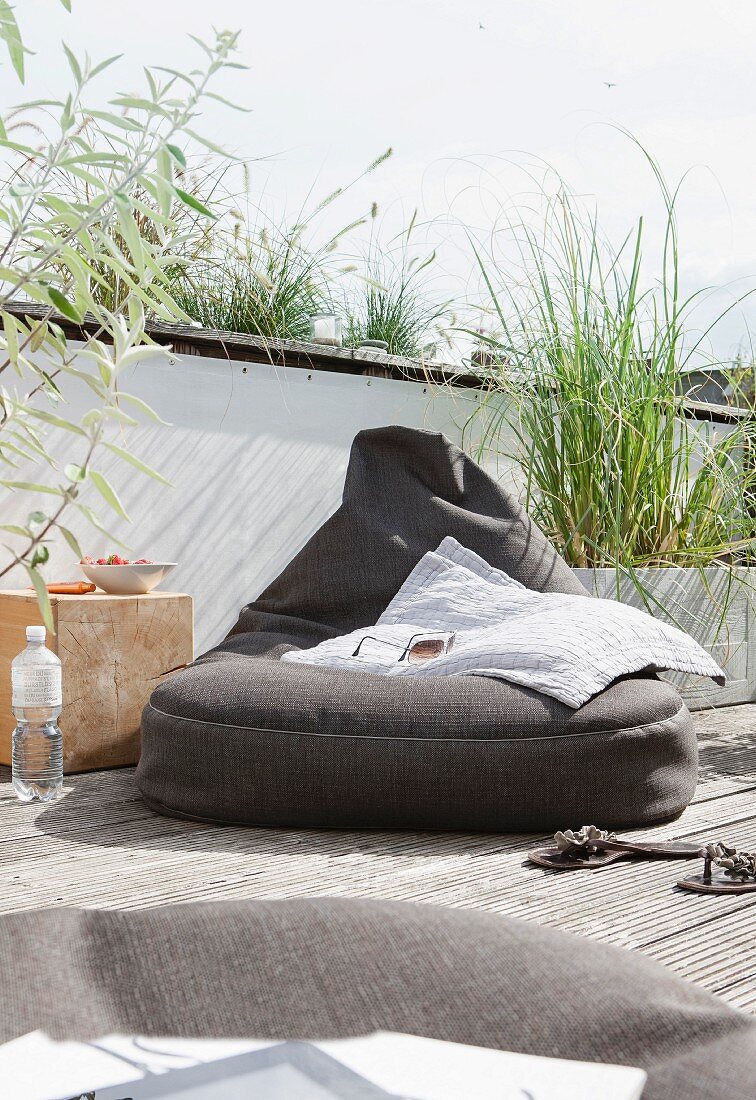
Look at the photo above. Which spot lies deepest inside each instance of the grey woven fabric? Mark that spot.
(242, 736)
(257, 741)
(328, 968)
(405, 490)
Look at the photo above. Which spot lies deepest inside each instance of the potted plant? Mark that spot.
(648, 505)
(391, 301)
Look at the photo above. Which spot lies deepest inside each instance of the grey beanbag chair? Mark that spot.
(242, 737)
(327, 968)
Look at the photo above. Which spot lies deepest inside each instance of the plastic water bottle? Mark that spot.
(37, 741)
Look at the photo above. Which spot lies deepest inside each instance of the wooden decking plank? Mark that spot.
(100, 846)
(740, 993)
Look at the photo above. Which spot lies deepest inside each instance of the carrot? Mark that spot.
(71, 588)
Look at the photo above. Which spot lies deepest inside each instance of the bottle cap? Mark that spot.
(35, 634)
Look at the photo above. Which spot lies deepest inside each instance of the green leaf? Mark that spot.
(211, 145)
(37, 293)
(16, 146)
(115, 414)
(138, 104)
(30, 487)
(92, 517)
(51, 386)
(71, 540)
(73, 63)
(108, 493)
(14, 529)
(130, 232)
(163, 188)
(41, 555)
(93, 180)
(63, 305)
(9, 274)
(28, 434)
(194, 203)
(66, 115)
(39, 334)
(11, 35)
(202, 45)
(8, 449)
(143, 407)
(149, 211)
(43, 597)
(104, 64)
(90, 381)
(227, 102)
(127, 456)
(75, 473)
(27, 442)
(10, 328)
(66, 4)
(120, 121)
(177, 154)
(34, 519)
(56, 421)
(33, 103)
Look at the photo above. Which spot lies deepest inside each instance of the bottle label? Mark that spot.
(37, 687)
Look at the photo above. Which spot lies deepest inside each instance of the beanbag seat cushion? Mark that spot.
(242, 737)
(331, 968)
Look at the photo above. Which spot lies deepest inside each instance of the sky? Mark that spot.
(473, 97)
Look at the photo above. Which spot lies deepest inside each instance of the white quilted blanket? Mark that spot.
(569, 647)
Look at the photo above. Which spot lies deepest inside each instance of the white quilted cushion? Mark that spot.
(566, 646)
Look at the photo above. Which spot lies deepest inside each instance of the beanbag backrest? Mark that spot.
(329, 968)
(405, 490)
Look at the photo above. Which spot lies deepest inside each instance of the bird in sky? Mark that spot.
(481, 27)
(609, 85)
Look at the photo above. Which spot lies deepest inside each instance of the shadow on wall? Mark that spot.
(233, 532)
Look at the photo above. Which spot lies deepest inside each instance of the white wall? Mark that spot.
(257, 457)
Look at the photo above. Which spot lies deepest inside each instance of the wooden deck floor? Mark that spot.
(99, 846)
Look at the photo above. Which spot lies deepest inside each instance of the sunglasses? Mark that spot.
(420, 647)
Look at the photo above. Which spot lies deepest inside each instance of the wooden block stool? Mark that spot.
(114, 651)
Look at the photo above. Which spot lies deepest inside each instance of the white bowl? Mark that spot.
(127, 580)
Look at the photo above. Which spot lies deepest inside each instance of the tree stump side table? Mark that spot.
(114, 651)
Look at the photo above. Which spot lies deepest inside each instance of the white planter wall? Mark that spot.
(716, 607)
(257, 457)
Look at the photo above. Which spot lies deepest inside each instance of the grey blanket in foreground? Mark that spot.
(555, 643)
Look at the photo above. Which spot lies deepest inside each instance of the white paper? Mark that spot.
(428, 1069)
(34, 1067)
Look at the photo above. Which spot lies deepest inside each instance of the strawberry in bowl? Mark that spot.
(119, 576)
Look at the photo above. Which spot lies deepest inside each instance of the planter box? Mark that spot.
(716, 607)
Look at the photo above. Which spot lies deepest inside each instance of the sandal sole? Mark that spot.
(716, 886)
(552, 859)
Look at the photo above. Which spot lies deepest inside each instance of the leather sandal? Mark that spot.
(735, 873)
(593, 847)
